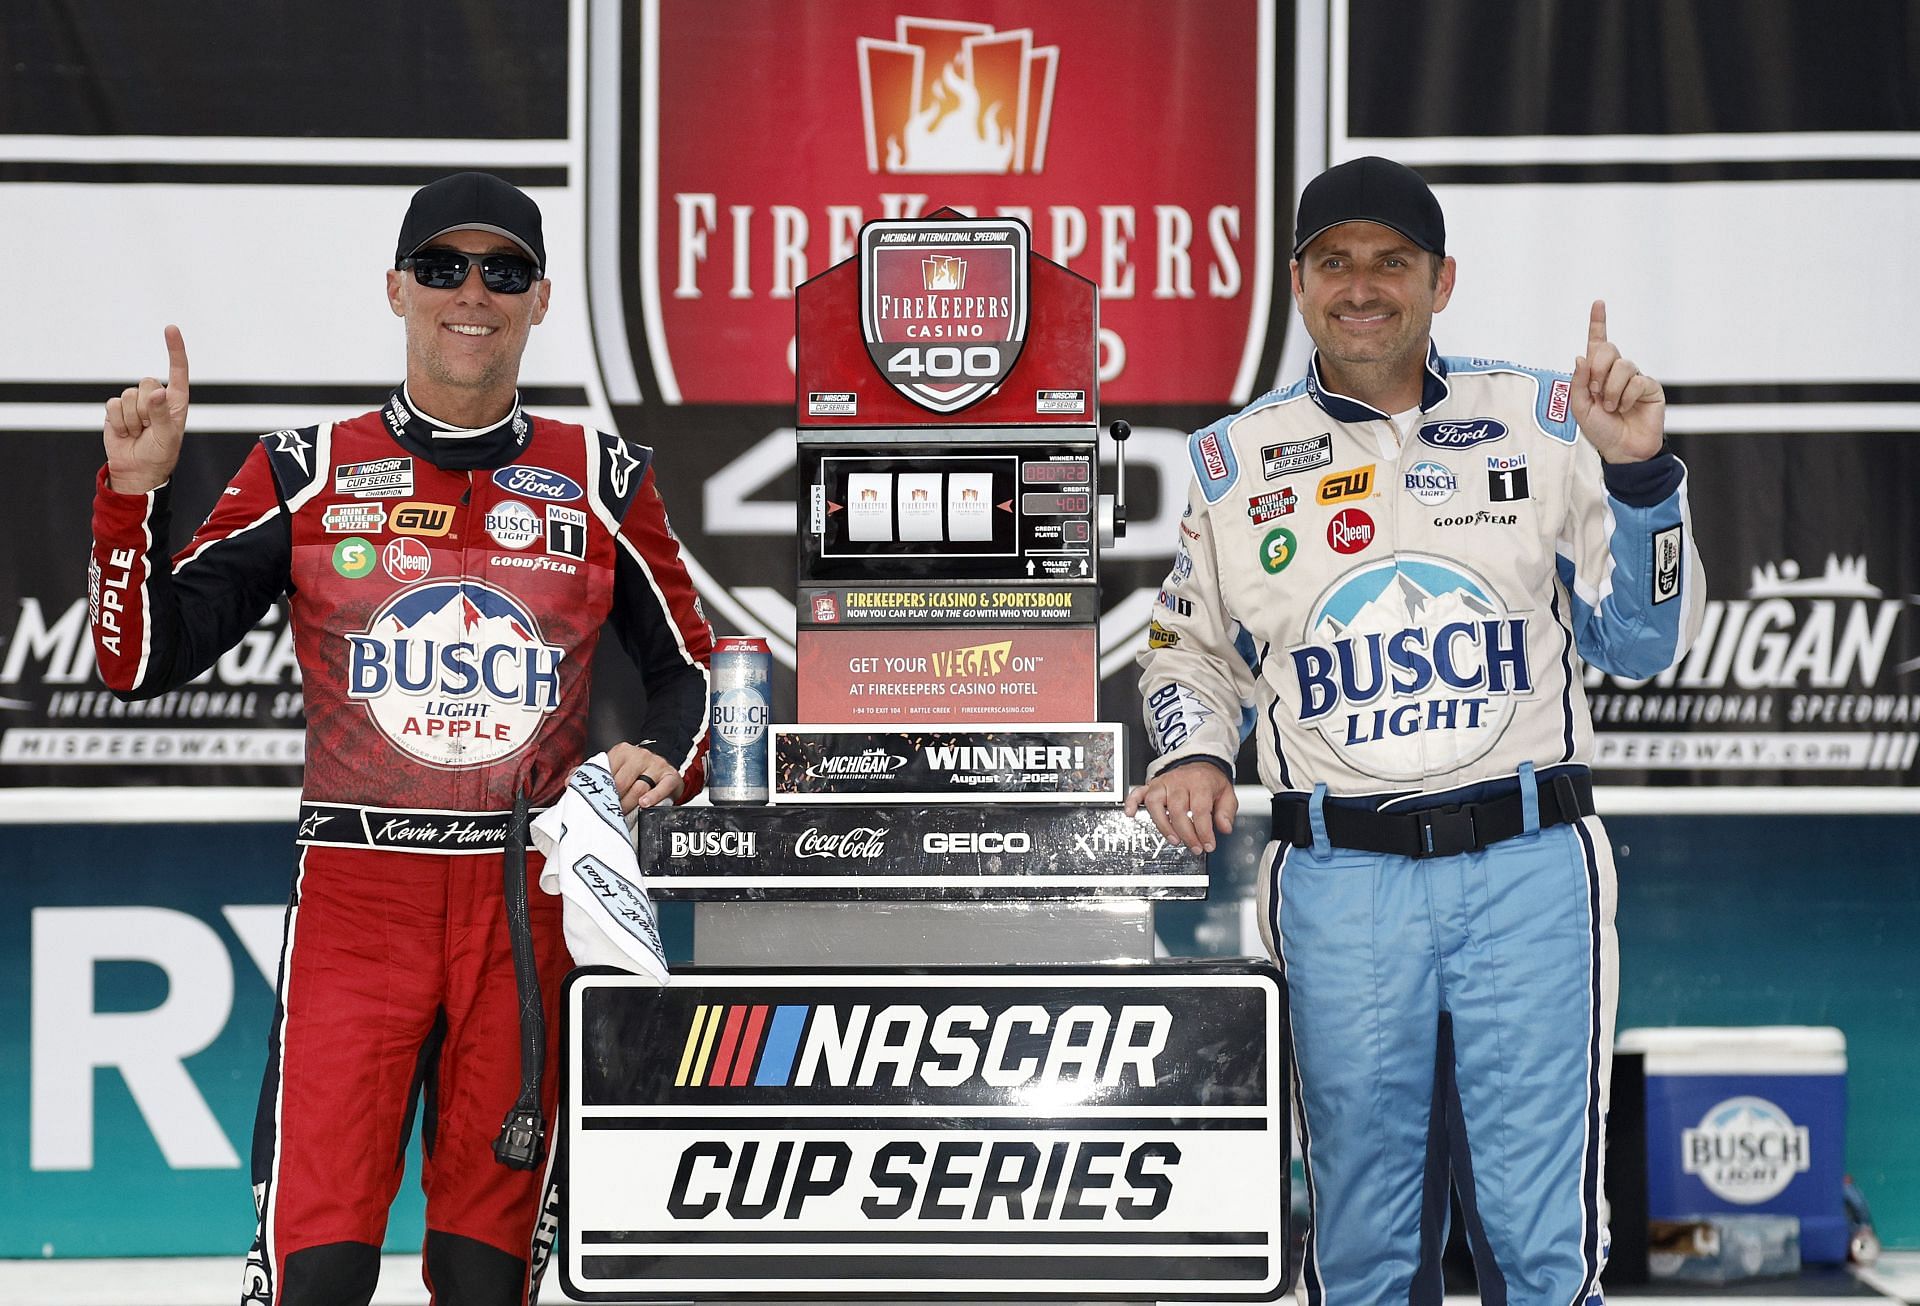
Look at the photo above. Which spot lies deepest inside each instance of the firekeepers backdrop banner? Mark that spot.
(1738, 191)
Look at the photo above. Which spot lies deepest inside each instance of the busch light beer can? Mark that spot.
(742, 709)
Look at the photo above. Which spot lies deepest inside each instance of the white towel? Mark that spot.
(608, 918)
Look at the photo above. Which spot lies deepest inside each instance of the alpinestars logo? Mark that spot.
(956, 97)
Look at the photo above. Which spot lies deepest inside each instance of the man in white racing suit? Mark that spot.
(1393, 571)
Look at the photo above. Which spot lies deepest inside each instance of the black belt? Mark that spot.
(1434, 831)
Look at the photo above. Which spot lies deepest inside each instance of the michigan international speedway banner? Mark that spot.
(1738, 189)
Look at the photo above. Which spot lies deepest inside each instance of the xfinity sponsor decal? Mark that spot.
(1745, 1150)
(1354, 483)
(1288, 457)
(1799, 671)
(1038, 763)
(384, 478)
(1462, 435)
(538, 483)
(454, 674)
(1431, 483)
(1061, 848)
(1409, 666)
(1043, 1132)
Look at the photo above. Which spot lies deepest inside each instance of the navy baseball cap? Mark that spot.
(471, 201)
(1371, 189)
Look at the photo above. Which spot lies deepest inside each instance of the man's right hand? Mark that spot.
(145, 424)
(1187, 803)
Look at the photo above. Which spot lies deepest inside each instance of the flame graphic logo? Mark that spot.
(956, 97)
(944, 272)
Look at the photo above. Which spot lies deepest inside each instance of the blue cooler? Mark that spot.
(1746, 1121)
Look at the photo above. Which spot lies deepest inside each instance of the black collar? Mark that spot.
(456, 448)
(1343, 408)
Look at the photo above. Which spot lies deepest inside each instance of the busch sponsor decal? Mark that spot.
(1431, 483)
(884, 1133)
(1350, 531)
(713, 843)
(1745, 1150)
(513, 525)
(537, 483)
(1409, 666)
(1290, 456)
(1462, 435)
(454, 673)
(1176, 712)
(943, 306)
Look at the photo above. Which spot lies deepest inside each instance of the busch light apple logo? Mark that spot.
(454, 673)
(1745, 1150)
(1409, 667)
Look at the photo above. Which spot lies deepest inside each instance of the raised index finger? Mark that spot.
(1597, 324)
(176, 365)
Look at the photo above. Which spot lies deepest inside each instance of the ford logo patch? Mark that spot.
(1462, 435)
(537, 483)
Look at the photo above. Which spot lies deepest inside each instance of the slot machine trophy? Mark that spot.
(924, 1052)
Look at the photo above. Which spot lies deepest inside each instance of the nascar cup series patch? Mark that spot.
(1409, 667)
(454, 673)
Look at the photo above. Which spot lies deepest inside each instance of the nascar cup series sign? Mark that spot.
(1057, 1133)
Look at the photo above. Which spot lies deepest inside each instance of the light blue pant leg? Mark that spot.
(1356, 943)
(1528, 972)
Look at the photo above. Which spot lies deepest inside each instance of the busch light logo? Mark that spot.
(1408, 667)
(1462, 435)
(1745, 1150)
(454, 673)
(740, 716)
(537, 483)
(1431, 483)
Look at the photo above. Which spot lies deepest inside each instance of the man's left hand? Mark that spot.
(644, 778)
(1620, 409)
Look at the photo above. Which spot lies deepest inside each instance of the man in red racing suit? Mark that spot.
(449, 561)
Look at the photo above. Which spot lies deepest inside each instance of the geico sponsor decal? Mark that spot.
(712, 843)
(907, 1043)
(937, 1179)
(1007, 757)
(533, 562)
(976, 841)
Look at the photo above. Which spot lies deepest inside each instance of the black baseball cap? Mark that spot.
(471, 201)
(1371, 189)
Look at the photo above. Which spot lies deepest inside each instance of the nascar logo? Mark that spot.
(763, 1046)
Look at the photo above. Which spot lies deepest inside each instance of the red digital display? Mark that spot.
(1055, 505)
(1061, 473)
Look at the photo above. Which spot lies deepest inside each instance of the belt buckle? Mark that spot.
(1447, 831)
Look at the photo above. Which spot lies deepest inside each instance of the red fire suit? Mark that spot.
(447, 589)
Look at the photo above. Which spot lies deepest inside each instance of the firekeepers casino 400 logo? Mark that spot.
(454, 673)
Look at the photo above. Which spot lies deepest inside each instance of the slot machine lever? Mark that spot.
(1113, 511)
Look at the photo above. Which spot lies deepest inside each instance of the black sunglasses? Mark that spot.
(446, 269)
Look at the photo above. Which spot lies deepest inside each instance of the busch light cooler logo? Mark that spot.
(943, 308)
(454, 673)
(1745, 1150)
(1409, 667)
